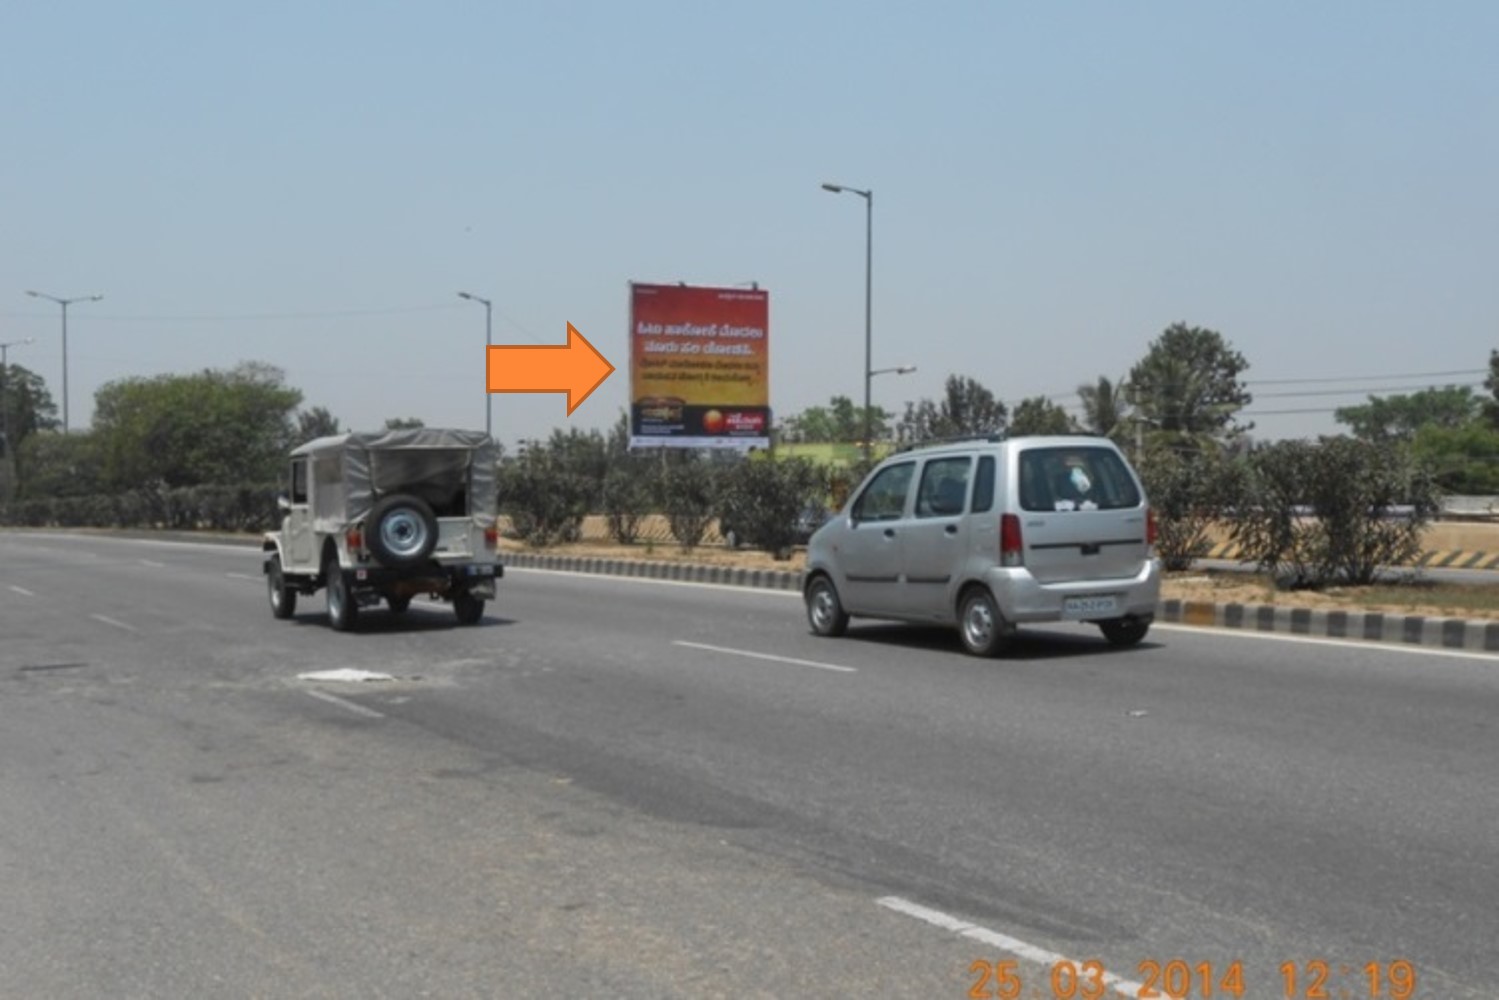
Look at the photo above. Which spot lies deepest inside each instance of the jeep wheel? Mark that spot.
(398, 603)
(980, 623)
(1124, 631)
(401, 531)
(343, 609)
(283, 598)
(824, 611)
(468, 608)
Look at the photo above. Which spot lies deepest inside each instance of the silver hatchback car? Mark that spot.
(990, 534)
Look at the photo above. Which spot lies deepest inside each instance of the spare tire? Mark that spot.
(401, 531)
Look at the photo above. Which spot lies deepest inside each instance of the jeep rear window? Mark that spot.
(436, 475)
(1081, 478)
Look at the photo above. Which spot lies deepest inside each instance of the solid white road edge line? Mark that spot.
(22, 591)
(243, 576)
(153, 564)
(334, 699)
(765, 656)
(117, 624)
(1005, 943)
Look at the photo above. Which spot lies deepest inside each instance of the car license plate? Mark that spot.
(1097, 606)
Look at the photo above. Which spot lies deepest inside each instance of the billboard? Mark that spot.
(699, 367)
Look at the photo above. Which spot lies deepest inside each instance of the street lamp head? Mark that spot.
(905, 369)
(835, 188)
(464, 295)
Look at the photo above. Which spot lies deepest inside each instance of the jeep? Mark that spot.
(386, 516)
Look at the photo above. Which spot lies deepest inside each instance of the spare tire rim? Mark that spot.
(403, 533)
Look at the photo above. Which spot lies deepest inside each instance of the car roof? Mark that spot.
(995, 444)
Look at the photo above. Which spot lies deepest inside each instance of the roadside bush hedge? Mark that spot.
(246, 508)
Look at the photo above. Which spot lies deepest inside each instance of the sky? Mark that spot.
(310, 185)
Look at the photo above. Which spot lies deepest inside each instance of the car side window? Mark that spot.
(299, 480)
(884, 499)
(983, 485)
(944, 487)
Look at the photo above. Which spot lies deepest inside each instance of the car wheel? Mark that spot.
(343, 610)
(468, 608)
(283, 598)
(824, 610)
(1124, 631)
(980, 624)
(401, 531)
(398, 603)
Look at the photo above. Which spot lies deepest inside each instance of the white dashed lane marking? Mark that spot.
(22, 591)
(114, 622)
(766, 656)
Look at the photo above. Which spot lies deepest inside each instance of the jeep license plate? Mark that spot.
(1100, 606)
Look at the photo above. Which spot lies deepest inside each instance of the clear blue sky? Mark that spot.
(310, 184)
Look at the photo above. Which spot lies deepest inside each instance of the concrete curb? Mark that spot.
(651, 569)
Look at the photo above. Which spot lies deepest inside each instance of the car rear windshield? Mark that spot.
(1080, 478)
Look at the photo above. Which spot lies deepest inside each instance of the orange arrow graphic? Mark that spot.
(576, 368)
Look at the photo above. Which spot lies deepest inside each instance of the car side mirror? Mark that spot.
(283, 503)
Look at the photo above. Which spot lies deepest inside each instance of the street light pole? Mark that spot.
(868, 196)
(64, 303)
(488, 342)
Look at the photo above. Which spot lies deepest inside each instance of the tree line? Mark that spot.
(208, 448)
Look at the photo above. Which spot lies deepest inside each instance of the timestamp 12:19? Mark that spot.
(1310, 980)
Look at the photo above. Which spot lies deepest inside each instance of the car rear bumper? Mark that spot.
(1023, 598)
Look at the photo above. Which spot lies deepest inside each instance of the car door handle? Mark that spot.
(951, 529)
(889, 532)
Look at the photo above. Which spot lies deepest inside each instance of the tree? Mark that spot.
(315, 423)
(1105, 410)
(1491, 383)
(1188, 491)
(216, 426)
(1400, 417)
(404, 423)
(967, 409)
(1039, 415)
(26, 407)
(1328, 512)
(59, 465)
(1187, 387)
(1463, 460)
(762, 498)
(840, 422)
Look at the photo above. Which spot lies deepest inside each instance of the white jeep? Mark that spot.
(387, 516)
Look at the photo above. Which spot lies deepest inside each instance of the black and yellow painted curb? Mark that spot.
(1432, 559)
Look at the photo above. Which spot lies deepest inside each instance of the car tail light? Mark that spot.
(491, 536)
(1011, 549)
(1150, 530)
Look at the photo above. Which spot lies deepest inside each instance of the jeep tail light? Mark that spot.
(1011, 549)
(491, 536)
(355, 539)
(1150, 531)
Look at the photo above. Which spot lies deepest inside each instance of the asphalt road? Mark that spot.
(631, 788)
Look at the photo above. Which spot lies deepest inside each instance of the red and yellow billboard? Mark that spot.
(699, 367)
